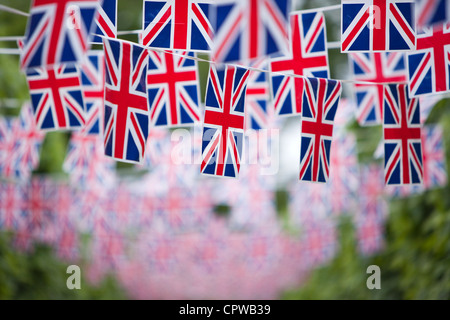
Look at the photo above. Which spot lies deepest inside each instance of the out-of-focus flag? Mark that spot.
(431, 12)
(308, 56)
(173, 89)
(428, 65)
(57, 32)
(105, 21)
(177, 24)
(377, 25)
(380, 68)
(250, 29)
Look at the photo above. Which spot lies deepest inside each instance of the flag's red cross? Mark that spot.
(55, 83)
(298, 63)
(404, 133)
(124, 99)
(436, 42)
(171, 77)
(224, 118)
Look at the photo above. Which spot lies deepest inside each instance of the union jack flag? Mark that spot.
(434, 173)
(106, 21)
(308, 56)
(86, 163)
(369, 230)
(93, 84)
(428, 65)
(57, 98)
(430, 12)
(257, 111)
(10, 206)
(8, 147)
(177, 24)
(249, 29)
(57, 32)
(320, 101)
(224, 121)
(377, 67)
(378, 25)
(402, 137)
(319, 242)
(173, 90)
(126, 108)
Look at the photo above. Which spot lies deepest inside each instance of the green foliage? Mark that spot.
(415, 263)
(39, 274)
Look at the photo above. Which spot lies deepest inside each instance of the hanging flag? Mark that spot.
(430, 12)
(173, 89)
(434, 165)
(380, 68)
(308, 56)
(257, 112)
(224, 121)
(428, 66)
(11, 201)
(57, 32)
(369, 233)
(377, 25)
(320, 102)
(56, 96)
(250, 29)
(93, 84)
(177, 24)
(8, 146)
(402, 145)
(105, 21)
(86, 164)
(126, 109)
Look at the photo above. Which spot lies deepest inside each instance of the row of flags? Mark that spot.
(128, 89)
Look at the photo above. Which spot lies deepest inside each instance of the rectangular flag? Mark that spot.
(430, 12)
(377, 25)
(105, 21)
(223, 130)
(308, 56)
(177, 24)
(173, 89)
(379, 68)
(57, 32)
(56, 97)
(250, 29)
(403, 162)
(257, 110)
(93, 84)
(126, 108)
(435, 171)
(428, 66)
(320, 100)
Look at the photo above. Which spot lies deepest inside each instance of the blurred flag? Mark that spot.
(177, 24)
(57, 32)
(428, 65)
(173, 89)
(93, 84)
(431, 12)
(378, 67)
(250, 29)
(57, 98)
(308, 56)
(377, 25)
(105, 21)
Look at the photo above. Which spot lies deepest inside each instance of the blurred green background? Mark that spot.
(415, 263)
